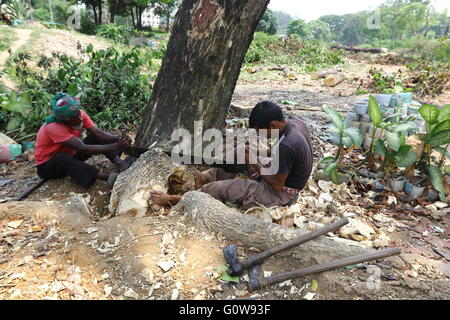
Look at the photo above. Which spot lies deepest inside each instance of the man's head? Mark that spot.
(65, 109)
(267, 116)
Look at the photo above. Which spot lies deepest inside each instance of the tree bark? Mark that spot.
(100, 13)
(131, 192)
(132, 18)
(202, 64)
(95, 14)
(207, 214)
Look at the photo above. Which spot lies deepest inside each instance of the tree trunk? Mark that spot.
(132, 18)
(95, 14)
(100, 13)
(199, 73)
(131, 192)
(207, 214)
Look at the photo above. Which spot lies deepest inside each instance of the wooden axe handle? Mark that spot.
(329, 266)
(259, 258)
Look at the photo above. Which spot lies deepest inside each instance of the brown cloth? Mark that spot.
(248, 193)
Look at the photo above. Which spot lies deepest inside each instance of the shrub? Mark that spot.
(110, 84)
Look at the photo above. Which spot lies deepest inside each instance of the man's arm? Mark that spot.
(78, 145)
(103, 136)
(275, 181)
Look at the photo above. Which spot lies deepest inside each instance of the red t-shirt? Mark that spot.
(50, 138)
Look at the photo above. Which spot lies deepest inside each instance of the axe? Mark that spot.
(237, 268)
(257, 283)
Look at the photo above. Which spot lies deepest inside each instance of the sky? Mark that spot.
(313, 9)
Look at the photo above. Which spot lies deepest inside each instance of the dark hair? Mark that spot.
(264, 113)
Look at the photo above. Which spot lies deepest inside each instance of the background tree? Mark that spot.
(300, 28)
(268, 23)
(283, 21)
(165, 10)
(320, 30)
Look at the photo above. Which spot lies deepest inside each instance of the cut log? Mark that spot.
(333, 80)
(323, 74)
(131, 192)
(207, 214)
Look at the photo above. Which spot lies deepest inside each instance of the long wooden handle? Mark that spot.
(257, 259)
(30, 191)
(329, 266)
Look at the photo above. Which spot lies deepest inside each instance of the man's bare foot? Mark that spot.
(200, 178)
(163, 199)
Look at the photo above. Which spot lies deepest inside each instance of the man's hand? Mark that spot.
(123, 143)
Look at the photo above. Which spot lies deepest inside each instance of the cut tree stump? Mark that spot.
(207, 214)
(323, 74)
(131, 192)
(333, 80)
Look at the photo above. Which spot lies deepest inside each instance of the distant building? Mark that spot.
(150, 19)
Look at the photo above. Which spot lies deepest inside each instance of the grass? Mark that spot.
(7, 36)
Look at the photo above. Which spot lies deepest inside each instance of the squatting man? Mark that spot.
(295, 160)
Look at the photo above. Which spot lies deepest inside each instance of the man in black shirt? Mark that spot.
(293, 154)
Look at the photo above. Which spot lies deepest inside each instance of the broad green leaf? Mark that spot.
(347, 142)
(335, 117)
(13, 124)
(429, 113)
(405, 127)
(404, 149)
(73, 89)
(444, 113)
(330, 168)
(328, 160)
(314, 285)
(225, 275)
(407, 160)
(393, 140)
(437, 181)
(89, 48)
(447, 170)
(441, 126)
(440, 139)
(374, 111)
(355, 135)
(380, 148)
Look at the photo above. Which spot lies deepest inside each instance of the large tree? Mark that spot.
(201, 66)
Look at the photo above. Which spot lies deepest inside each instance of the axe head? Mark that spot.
(253, 275)
(231, 256)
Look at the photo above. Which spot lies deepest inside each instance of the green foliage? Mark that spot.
(17, 9)
(7, 36)
(268, 23)
(300, 28)
(345, 138)
(437, 180)
(110, 85)
(310, 55)
(117, 33)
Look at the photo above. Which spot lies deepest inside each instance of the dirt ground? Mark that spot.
(61, 253)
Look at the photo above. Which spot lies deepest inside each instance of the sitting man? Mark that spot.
(295, 156)
(59, 152)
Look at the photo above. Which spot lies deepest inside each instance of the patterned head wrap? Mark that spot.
(63, 107)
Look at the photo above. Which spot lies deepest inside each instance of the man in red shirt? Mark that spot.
(60, 152)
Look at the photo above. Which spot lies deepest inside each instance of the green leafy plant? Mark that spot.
(436, 138)
(112, 86)
(393, 146)
(345, 138)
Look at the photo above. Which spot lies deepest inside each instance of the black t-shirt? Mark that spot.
(296, 154)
